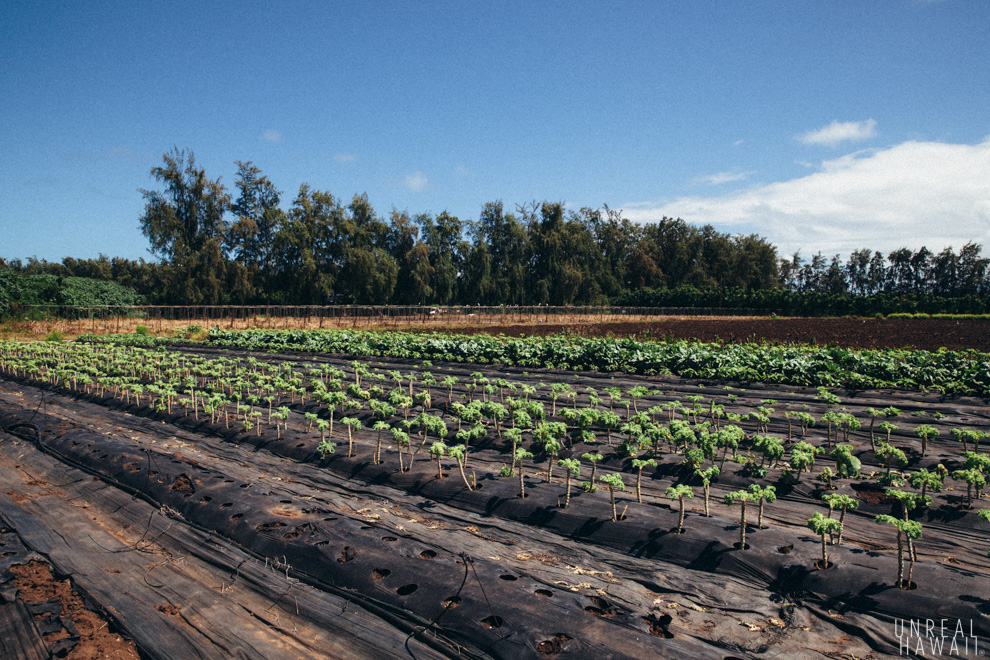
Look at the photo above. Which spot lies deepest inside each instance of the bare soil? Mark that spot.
(36, 585)
(923, 334)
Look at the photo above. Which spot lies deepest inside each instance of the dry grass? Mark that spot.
(33, 330)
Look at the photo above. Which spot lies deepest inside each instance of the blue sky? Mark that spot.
(821, 125)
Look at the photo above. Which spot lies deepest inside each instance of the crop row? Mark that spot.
(630, 429)
(957, 372)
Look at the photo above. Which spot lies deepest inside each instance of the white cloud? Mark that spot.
(908, 195)
(460, 170)
(722, 177)
(271, 135)
(838, 132)
(416, 181)
(345, 158)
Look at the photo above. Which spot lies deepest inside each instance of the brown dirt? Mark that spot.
(35, 584)
(925, 334)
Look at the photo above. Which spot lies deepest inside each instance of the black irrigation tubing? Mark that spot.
(439, 643)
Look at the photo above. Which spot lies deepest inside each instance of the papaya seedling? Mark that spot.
(974, 481)
(707, 476)
(639, 465)
(515, 438)
(762, 494)
(593, 459)
(905, 529)
(613, 482)
(438, 449)
(843, 503)
(887, 428)
(572, 468)
(326, 447)
(401, 439)
(890, 455)
(459, 454)
(821, 525)
(519, 456)
(352, 425)
(379, 426)
(847, 466)
(679, 492)
(741, 496)
(924, 480)
(926, 433)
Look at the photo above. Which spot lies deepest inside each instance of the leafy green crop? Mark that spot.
(959, 372)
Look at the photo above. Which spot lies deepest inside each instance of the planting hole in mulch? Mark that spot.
(452, 602)
(659, 626)
(508, 578)
(546, 593)
(492, 622)
(553, 646)
(380, 573)
(407, 589)
(601, 608)
(427, 554)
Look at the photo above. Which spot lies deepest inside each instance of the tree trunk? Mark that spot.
(707, 490)
(680, 520)
(639, 480)
(615, 515)
(900, 559)
(824, 553)
(460, 466)
(842, 517)
(742, 527)
(567, 489)
(522, 484)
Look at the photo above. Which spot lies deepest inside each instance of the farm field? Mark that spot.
(928, 334)
(284, 504)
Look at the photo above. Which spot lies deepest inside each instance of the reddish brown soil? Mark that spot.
(35, 584)
(925, 334)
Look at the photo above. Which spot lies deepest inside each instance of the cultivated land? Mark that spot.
(201, 536)
(928, 334)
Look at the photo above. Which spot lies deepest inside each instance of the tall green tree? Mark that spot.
(185, 226)
(258, 218)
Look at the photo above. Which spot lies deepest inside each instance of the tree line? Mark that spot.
(252, 245)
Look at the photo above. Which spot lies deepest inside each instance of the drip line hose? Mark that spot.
(438, 642)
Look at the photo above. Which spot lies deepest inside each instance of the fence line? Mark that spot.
(123, 318)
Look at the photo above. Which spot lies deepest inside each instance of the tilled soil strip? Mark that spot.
(177, 592)
(611, 608)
